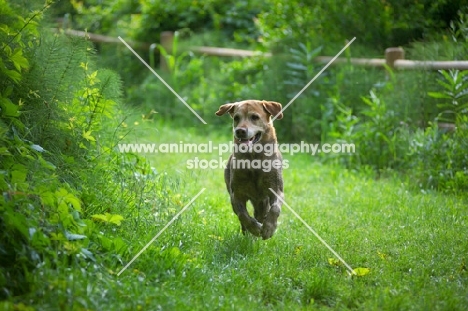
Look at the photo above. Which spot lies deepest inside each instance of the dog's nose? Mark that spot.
(241, 132)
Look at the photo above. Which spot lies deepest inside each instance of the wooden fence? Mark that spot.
(394, 56)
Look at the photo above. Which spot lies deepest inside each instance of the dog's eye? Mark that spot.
(254, 117)
(236, 119)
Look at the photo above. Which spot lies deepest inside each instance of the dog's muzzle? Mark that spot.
(241, 136)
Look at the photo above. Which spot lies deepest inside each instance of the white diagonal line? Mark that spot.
(160, 232)
(313, 79)
(162, 80)
(315, 233)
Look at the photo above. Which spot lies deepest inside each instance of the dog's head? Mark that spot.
(252, 120)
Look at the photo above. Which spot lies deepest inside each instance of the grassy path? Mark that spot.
(414, 244)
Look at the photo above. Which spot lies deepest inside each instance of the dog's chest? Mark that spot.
(254, 183)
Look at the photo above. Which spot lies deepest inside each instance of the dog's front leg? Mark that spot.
(271, 219)
(261, 209)
(247, 222)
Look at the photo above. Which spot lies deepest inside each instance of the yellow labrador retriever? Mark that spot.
(255, 165)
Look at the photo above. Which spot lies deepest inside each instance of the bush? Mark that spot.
(376, 131)
(65, 189)
(438, 156)
(437, 159)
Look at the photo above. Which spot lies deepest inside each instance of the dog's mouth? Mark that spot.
(252, 140)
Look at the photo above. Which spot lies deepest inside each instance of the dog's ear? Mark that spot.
(224, 108)
(273, 108)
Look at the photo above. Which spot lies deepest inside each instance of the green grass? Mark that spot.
(415, 245)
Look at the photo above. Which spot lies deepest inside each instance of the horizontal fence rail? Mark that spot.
(434, 65)
(227, 52)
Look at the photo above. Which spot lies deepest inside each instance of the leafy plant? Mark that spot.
(377, 132)
(437, 154)
(437, 158)
(172, 56)
(59, 123)
(453, 96)
(299, 69)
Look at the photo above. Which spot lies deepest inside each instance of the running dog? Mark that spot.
(253, 126)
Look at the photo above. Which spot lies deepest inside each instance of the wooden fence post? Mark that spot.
(166, 40)
(393, 54)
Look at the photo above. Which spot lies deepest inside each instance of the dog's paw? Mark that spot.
(255, 228)
(268, 230)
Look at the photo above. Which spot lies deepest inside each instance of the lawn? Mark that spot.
(413, 243)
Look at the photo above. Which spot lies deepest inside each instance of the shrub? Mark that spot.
(437, 159)
(438, 156)
(376, 131)
(64, 187)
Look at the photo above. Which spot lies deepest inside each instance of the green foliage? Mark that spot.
(64, 186)
(144, 20)
(377, 137)
(386, 23)
(183, 70)
(454, 97)
(322, 22)
(21, 241)
(438, 159)
(313, 113)
(224, 21)
(434, 156)
(438, 156)
(376, 132)
(299, 69)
